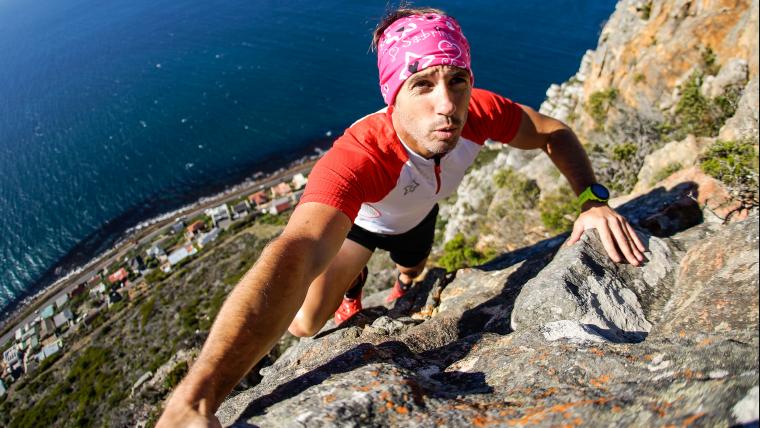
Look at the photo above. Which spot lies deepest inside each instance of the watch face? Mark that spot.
(600, 191)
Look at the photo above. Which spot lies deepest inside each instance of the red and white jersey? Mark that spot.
(384, 186)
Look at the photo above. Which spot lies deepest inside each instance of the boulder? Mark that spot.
(544, 335)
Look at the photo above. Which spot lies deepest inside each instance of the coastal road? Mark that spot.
(141, 237)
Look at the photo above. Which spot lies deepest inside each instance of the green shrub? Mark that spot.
(624, 152)
(666, 172)
(485, 157)
(176, 374)
(599, 103)
(710, 62)
(698, 115)
(559, 211)
(646, 11)
(459, 253)
(156, 275)
(525, 192)
(732, 162)
(639, 78)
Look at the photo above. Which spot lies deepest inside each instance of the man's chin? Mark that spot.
(440, 147)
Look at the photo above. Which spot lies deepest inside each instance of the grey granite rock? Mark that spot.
(461, 364)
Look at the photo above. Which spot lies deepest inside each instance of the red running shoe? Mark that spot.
(350, 306)
(399, 289)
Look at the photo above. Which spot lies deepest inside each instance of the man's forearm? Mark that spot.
(568, 155)
(252, 319)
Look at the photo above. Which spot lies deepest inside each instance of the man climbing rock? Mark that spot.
(378, 187)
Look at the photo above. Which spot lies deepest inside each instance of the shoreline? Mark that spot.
(133, 234)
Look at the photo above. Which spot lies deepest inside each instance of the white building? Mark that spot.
(63, 317)
(219, 213)
(12, 355)
(206, 238)
(299, 181)
(61, 300)
(181, 254)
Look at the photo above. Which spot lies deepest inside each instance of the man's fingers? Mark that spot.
(631, 241)
(576, 235)
(608, 242)
(635, 236)
(622, 240)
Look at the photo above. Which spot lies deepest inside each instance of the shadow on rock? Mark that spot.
(448, 384)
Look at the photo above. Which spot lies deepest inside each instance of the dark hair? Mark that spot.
(392, 15)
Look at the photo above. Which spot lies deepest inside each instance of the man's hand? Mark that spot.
(614, 231)
(185, 416)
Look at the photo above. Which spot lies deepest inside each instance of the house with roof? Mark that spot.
(155, 251)
(98, 289)
(177, 226)
(118, 276)
(12, 355)
(280, 205)
(47, 312)
(240, 209)
(218, 214)
(47, 327)
(65, 317)
(299, 181)
(50, 350)
(181, 254)
(280, 190)
(113, 297)
(195, 228)
(61, 300)
(259, 198)
(207, 238)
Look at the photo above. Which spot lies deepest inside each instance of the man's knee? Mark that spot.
(303, 328)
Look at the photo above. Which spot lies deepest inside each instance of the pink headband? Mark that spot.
(416, 42)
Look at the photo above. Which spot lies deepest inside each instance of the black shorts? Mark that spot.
(407, 249)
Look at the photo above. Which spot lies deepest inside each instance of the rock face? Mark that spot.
(648, 48)
(545, 335)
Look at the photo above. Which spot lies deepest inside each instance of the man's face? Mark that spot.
(431, 109)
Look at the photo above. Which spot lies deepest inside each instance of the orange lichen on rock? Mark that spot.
(599, 381)
(690, 420)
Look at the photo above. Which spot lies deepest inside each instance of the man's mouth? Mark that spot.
(446, 132)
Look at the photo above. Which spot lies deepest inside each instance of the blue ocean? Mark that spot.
(113, 112)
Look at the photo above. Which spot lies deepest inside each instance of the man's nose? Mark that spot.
(444, 101)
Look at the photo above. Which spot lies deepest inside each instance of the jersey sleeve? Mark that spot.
(493, 117)
(335, 180)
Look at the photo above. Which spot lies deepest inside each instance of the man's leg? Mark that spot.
(408, 274)
(326, 292)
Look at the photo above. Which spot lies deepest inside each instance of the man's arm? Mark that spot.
(538, 131)
(257, 312)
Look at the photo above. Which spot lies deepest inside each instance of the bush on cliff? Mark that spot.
(598, 104)
(698, 115)
(460, 252)
(559, 210)
(733, 162)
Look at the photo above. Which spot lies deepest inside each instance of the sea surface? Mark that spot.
(113, 112)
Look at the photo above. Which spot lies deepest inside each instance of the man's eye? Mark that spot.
(421, 85)
(457, 80)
